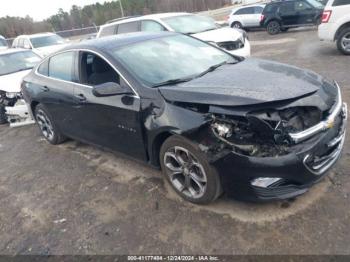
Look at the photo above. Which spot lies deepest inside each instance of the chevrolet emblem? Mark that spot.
(330, 124)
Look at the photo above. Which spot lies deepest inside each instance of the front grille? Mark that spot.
(318, 164)
(231, 45)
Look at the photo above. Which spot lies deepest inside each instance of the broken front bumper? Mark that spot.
(293, 174)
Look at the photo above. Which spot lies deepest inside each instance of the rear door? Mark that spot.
(56, 88)
(246, 16)
(306, 13)
(288, 13)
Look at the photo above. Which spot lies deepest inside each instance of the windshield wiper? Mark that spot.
(173, 81)
(212, 68)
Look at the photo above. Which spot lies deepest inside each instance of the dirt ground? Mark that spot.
(76, 199)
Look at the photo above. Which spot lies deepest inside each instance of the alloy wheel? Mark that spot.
(185, 172)
(345, 42)
(273, 27)
(45, 125)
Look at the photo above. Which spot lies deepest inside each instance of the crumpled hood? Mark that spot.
(12, 83)
(47, 50)
(252, 81)
(219, 35)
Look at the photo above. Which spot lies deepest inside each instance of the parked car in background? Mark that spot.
(214, 122)
(246, 16)
(282, 15)
(3, 43)
(41, 44)
(14, 65)
(232, 40)
(336, 24)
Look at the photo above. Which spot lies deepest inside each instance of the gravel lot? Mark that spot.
(76, 199)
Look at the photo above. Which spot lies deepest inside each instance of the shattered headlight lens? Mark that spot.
(222, 129)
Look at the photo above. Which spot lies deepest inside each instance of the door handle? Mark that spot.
(45, 88)
(81, 97)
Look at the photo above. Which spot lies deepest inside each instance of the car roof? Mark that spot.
(36, 35)
(13, 50)
(2, 37)
(250, 5)
(137, 18)
(118, 41)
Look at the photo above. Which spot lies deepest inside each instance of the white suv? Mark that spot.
(204, 28)
(246, 16)
(41, 44)
(336, 24)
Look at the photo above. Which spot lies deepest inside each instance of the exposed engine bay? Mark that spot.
(264, 133)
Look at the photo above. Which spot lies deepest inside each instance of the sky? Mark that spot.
(40, 9)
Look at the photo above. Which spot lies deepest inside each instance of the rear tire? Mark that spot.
(188, 171)
(343, 42)
(47, 126)
(273, 27)
(236, 25)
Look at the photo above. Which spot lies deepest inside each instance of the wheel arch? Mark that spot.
(340, 29)
(156, 144)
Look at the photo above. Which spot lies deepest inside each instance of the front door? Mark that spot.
(112, 122)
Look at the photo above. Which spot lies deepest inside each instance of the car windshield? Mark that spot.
(3, 42)
(170, 59)
(42, 41)
(315, 3)
(190, 24)
(18, 61)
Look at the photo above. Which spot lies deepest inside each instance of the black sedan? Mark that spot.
(213, 122)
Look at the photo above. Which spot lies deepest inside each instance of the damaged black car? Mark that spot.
(214, 123)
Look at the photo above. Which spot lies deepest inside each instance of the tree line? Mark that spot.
(98, 14)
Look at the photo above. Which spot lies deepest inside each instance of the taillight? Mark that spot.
(262, 17)
(326, 16)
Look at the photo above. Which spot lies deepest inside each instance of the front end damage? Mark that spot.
(273, 152)
(14, 110)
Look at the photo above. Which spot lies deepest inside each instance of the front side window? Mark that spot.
(94, 70)
(168, 58)
(341, 2)
(245, 11)
(42, 41)
(128, 27)
(190, 24)
(108, 30)
(61, 66)
(18, 61)
(151, 26)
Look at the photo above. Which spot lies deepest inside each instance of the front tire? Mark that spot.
(188, 171)
(47, 126)
(343, 42)
(273, 27)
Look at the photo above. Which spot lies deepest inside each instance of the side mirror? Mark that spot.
(109, 89)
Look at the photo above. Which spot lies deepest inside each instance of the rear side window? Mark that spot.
(21, 42)
(61, 66)
(301, 6)
(245, 11)
(151, 26)
(270, 8)
(341, 2)
(288, 7)
(128, 27)
(108, 30)
(258, 9)
(44, 68)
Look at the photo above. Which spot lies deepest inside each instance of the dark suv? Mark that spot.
(282, 15)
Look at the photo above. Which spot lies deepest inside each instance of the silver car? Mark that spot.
(246, 16)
